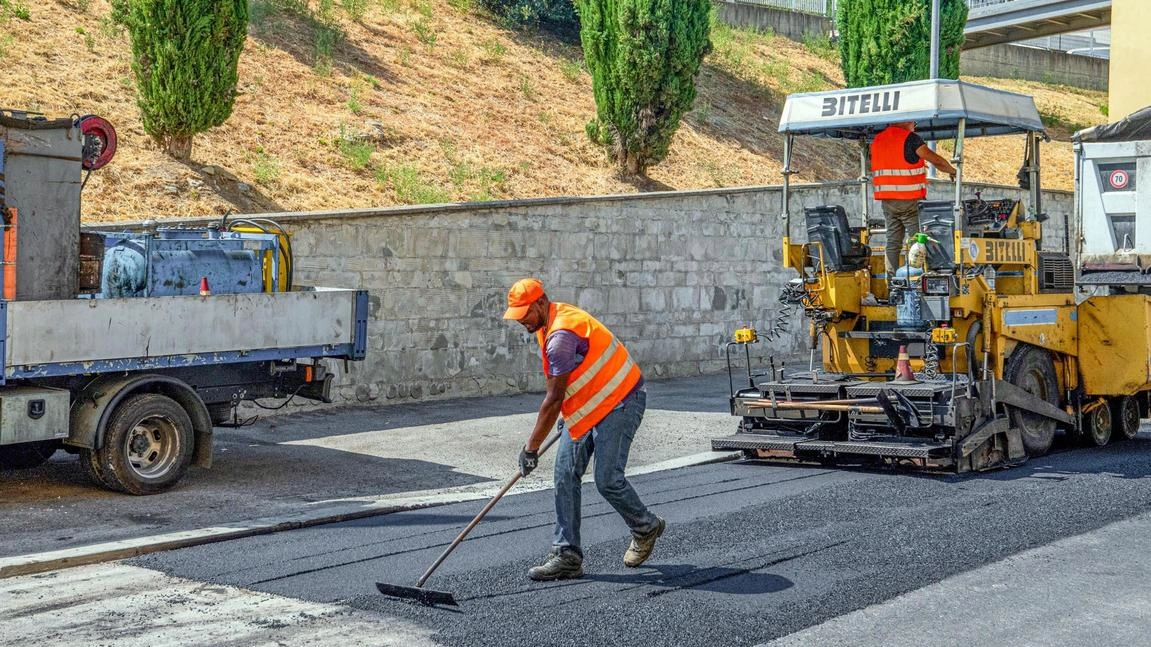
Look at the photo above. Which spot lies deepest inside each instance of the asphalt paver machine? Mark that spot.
(976, 360)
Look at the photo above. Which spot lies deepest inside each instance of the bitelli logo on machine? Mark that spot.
(861, 103)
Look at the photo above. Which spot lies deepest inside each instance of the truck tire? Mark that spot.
(147, 446)
(24, 456)
(1125, 414)
(1032, 369)
(90, 465)
(1098, 425)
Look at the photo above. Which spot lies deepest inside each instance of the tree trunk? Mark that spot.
(179, 147)
(632, 165)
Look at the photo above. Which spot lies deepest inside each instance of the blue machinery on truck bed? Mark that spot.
(128, 347)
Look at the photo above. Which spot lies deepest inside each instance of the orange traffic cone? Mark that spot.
(204, 291)
(903, 367)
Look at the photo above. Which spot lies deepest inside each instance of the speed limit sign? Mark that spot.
(1119, 179)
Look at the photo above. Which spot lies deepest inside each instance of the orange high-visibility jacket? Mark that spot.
(604, 378)
(891, 175)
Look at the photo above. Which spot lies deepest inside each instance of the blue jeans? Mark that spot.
(610, 443)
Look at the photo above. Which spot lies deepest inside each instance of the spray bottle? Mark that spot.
(917, 254)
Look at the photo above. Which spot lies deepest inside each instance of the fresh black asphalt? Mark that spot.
(752, 551)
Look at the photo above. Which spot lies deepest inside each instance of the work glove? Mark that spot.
(528, 461)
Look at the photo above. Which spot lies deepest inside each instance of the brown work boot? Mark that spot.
(642, 545)
(562, 564)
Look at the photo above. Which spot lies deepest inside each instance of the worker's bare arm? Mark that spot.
(937, 160)
(549, 410)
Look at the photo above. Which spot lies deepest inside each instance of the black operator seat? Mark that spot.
(937, 220)
(842, 251)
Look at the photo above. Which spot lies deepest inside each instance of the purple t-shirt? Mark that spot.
(566, 350)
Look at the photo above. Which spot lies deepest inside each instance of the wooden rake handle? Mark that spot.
(479, 517)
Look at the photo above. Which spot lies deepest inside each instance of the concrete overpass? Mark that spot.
(1006, 21)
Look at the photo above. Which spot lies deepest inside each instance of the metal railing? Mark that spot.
(817, 7)
(827, 7)
(976, 4)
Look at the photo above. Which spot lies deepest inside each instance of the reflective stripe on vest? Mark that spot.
(604, 378)
(892, 176)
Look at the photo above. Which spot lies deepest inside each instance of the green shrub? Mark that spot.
(425, 33)
(571, 69)
(357, 153)
(15, 9)
(184, 57)
(410, 188)
(557, 16)
(265, 167)
(493, 49)
(354, 105)
(326, 35)
(889, 41)
(644, 56)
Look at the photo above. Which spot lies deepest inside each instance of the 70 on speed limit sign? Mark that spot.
(1117, 177)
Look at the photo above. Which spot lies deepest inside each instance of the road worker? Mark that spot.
(599, 390)
(899, 176)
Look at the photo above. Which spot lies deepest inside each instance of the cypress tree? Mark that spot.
(184, 57)
(644, 56)
(889, 41)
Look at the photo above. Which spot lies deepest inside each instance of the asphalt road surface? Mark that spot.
(1049, 553)
(332, 458)
(752, 553)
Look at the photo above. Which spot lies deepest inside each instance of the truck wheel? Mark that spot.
(1098, 426)
(1032, 369)
(147, 444)
(90, 465)
(24, 456)
(1125, 414)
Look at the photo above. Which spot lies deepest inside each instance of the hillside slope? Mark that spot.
(425, 101)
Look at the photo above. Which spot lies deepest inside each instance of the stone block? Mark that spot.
(593, 300)
(623, 300)
(426, 242)
(684, 298)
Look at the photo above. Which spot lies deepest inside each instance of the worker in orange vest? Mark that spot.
(899, 176)
(597, 387)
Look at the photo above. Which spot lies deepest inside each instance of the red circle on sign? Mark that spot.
(1119, 179)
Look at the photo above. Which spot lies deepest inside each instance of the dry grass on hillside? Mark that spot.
(428, 101)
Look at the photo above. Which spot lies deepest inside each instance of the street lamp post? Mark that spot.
(934, 61)
(934, 39)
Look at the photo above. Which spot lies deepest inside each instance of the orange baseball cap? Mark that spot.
(521, 295)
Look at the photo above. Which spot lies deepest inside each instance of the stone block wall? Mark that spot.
(789, 24)
(673, 274)
(1034, 64)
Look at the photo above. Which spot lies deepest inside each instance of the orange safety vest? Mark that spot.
(604, 378)
(891, 175)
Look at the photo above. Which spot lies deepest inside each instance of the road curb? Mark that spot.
(344, 510)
